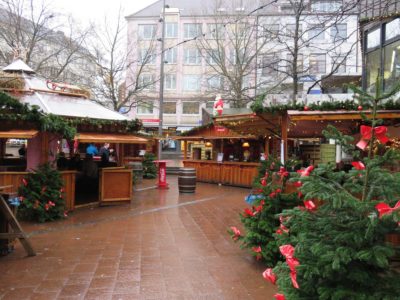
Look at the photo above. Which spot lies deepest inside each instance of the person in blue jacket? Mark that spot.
(92, 150)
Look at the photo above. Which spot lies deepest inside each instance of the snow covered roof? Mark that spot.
(18, 66)
(58, 98)
(61, 104)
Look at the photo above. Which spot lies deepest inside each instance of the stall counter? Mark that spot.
(228, 173)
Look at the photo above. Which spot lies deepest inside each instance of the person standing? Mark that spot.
(105, 154)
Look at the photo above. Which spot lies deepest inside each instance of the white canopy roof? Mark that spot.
(18, 66)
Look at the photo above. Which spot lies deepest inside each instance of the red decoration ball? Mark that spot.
(360, 107)
(306, 108)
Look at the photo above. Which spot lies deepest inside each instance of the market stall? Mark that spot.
(221, 155)
(47, 138)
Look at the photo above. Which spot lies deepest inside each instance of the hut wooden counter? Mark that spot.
(229, 173)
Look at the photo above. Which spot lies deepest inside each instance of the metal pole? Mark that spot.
(161, 102)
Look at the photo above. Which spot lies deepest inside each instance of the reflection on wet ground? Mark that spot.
(163, 245)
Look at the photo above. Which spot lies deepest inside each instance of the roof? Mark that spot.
(194, 8)
(18, 66)
(64, 104)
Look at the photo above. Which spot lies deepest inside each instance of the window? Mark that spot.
(146, 82)
(372, 67)
(270, 65)
(374, 38)
(170, 81)
(326, 5)
(236, 56)
(271, 30)
(145, 108)
(170, 56)
(339, 62)
(291, 30)
(392, 29)
(339, 32)
(215, 82)
(240, 30)
(191, 30)
(171, 30)
(147, 31)
(213, 57)
(169, 108)
(289, 63)
(391, 66)
(192, 56)
(190, 108)
(146, 57)
(191, 82)
(316, 32)
(216, 31)
(317, 63)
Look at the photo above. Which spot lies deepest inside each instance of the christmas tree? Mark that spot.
(336, 245)
(42, 195)
(149, 167)
(261, 221)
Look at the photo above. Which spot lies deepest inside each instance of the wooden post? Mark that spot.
(44, 154)
(266, 148)
(284, 135)
(184, 149)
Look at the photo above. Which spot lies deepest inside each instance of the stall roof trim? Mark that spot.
(18, 134)
(110, 138)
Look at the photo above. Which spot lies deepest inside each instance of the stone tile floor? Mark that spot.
(164, 245)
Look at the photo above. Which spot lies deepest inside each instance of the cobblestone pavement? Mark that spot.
(161, 246)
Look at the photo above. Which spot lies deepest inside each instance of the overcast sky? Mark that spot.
(95, 9)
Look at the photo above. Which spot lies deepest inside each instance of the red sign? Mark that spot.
(221, 129)
(162, 174)
(150, 120)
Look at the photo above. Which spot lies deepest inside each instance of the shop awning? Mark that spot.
(18, 134)
(110, 138)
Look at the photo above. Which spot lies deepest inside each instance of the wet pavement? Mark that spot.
(163, 245)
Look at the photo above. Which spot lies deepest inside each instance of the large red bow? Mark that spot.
(366, 134)
(279, 296)
(385, 209)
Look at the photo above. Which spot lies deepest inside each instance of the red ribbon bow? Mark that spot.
(236, 233)
(310, 205)
(287, 251)
(385, 209)
(269, 275)
(366, 134)
(306, 171)
(358, 165)
(279, 297)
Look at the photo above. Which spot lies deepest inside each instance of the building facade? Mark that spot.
(326, 50)
(380, 24)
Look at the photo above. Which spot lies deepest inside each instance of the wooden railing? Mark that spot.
(229, 173)
(15, 179)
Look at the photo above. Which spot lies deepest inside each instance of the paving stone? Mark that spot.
(162, 246)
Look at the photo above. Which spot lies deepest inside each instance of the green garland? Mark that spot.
(196, 129)
(12, 109)
(349, 105)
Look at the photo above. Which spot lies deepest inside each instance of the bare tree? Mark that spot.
(296, 33)
(230, 49)
(38, 32)
(111, 85)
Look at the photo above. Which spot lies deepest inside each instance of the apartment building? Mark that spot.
(327, 54)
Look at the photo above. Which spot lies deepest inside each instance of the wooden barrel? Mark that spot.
(187, 180)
